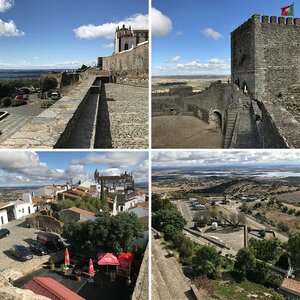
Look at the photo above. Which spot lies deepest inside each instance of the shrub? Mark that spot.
(283, 227)
(5, 102)
(18, 103)
(273, 280)
(47, 104)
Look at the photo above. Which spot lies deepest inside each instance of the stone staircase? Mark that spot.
(11, 124)
(231, 120)
(168, 281)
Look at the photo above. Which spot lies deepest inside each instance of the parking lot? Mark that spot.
(19, 234)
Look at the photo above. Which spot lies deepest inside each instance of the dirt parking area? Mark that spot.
(184, 132)
(19, 234)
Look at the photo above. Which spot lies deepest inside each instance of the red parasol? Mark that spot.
(67, 257)
(91, 268)
(107, 259)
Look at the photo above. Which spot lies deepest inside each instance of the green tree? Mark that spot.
(159, 203)
(47, 83)
(185, 247)
(207, 261)
(6, 88)
(293, 246)
(273, 280)
(165, 217)
(107, 234)
(5, 102)
(259, 272)
(245, 262)
(265, 250)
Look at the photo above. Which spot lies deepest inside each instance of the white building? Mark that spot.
(126, 38)
(17, 209)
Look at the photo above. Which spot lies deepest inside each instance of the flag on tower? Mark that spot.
(288, 11)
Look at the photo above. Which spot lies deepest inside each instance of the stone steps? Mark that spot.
(11, 124)
(231, 119)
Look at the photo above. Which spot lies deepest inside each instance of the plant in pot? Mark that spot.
(63, 269)
(78, 274)
(51, 264)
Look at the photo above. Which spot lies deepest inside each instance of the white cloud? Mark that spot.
(36, 57)
(6, 4)
(110, 45)
(110, 172)
(173, 59)
(107, 30)
(9, 29)
(212, 34)
(114, 159)
(208, 158)
(161, 24)
(179, 33)
(194, 67)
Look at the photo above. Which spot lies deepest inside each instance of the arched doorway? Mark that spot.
(215, 120)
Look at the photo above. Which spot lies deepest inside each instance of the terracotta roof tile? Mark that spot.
(291, 284)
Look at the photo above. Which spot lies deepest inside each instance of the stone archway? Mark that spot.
(216, 120)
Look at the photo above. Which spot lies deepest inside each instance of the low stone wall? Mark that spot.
(280, 129)
(54, 126)
(141, 290)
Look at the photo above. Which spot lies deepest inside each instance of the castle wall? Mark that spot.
(134, 60)
(242, 56)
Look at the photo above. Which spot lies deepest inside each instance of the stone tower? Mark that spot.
(265, 52)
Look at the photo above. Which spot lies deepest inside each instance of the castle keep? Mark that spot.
(265, 52)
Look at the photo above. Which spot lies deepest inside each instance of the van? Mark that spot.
(52, 241)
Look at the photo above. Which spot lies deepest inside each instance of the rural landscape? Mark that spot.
(233, 226)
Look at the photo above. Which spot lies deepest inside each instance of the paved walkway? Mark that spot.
(168, 281)
(123, 117)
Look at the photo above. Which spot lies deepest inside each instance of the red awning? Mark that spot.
(107, 259)
(48, 287)
(126, 256)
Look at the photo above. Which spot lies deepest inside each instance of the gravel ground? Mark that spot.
(184, 132)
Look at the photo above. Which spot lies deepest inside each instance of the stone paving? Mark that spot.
(168, 281)
(124, 117)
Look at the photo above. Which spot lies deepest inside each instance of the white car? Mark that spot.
(54, 96)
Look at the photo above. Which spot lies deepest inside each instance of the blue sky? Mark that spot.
(19, 168)
(193, 36)
(62, 33)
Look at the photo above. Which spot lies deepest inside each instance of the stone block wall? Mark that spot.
(265, 53)
(134, 60)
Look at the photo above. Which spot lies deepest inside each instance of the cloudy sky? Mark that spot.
(193, 37)
(63, 33)
(19, 168)
(223, 157)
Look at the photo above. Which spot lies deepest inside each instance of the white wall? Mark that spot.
(3, 217)
(21, 210)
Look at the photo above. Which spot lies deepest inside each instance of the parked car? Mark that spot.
(26, 97)
(21, 252)
(55, 96)
(4, 233)
(19, 97)
(51, 241)
(38, 247)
